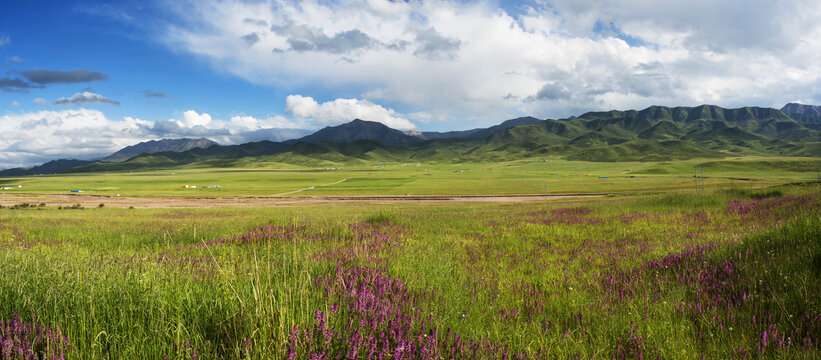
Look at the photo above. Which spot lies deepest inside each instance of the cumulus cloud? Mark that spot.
(343, 110)
(473, 61)
(236, 130)
(41, 101)
(551, 91)
(84, 98)
(191, 119)
(33, 138)
(15, 103)
(43, 76)
(16, 59)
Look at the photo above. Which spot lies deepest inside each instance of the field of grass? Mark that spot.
(533, 176)
(723, 274)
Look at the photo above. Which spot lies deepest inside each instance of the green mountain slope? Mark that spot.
(652, 134)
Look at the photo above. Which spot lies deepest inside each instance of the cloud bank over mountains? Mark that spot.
(37, 137)
(306, 110)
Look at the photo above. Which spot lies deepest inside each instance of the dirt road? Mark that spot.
(170, 202)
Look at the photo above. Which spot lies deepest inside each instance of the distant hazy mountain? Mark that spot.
(803, 113)
(51, 167)
(155, 146)
(478, 133)
(359, 130)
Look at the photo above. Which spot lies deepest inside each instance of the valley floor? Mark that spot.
(62, 200)
(525, 177)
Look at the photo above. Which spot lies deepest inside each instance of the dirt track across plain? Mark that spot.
(170, 202)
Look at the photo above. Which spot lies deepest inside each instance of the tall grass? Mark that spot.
(724, 274)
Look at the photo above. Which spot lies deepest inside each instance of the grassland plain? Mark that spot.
(721, 274)
(533, 176)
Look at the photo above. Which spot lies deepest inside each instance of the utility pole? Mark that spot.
(702, 178)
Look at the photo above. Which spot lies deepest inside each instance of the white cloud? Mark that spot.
(4, 40)
(41, 101)
(472, 60)
(32, 138)
(15, 103)
(36, 137)
(84, 98)
(343, 110)
(191, 119)
(250, 123)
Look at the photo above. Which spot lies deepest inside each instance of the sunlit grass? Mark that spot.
(531, 176)
(680, 275)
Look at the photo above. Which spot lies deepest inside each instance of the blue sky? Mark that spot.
(84, 78)
(86, 35)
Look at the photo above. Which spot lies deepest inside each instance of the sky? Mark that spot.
(82, 79)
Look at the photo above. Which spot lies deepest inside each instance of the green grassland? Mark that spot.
(529, 176)
(728, 273)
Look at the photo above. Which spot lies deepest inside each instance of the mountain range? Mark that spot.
(155, 146)
(478, 133)
(653, 134)
(147, 147)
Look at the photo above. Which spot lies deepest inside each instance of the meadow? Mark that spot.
(532, 176)
(729, 273)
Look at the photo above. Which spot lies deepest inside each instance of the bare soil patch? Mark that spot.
(170, 202)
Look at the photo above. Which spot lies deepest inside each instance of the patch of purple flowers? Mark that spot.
(30, 341)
